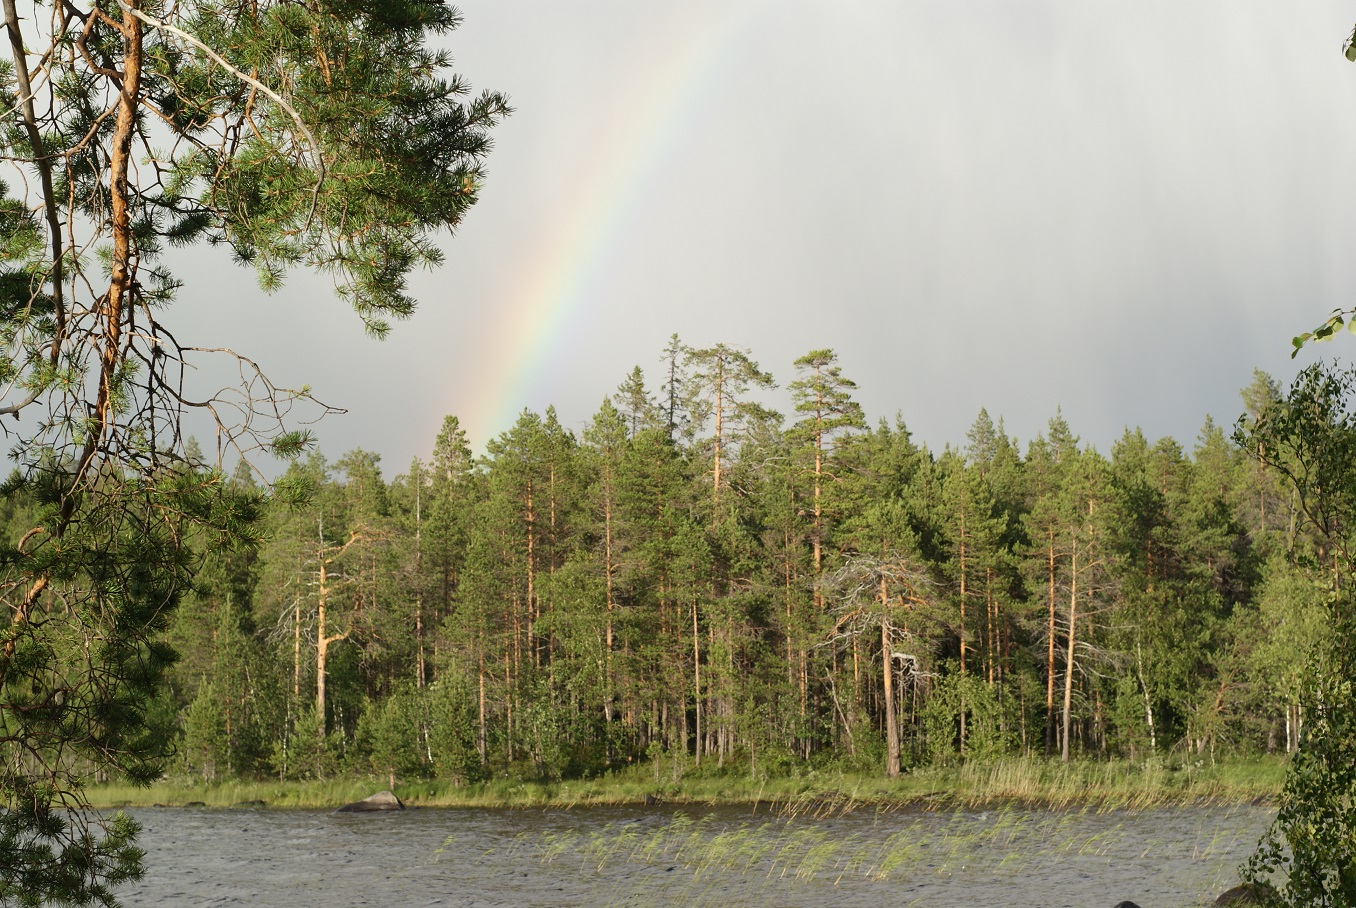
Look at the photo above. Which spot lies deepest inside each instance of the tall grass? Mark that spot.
(775, 852)
(179, 793)
(1029, 782)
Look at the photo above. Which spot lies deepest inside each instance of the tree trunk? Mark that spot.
(1050, 653)
(891, 719)
(531, 578)
(962, 632)
(322, 650)
(720, 429)
(697, 679)
(818, 526)
(1069, 661)
(482, 739)
(420, 667)
(608, 569)
(1148, 704)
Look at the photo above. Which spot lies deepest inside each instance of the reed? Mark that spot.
(777, 853)
(171, 793)
(1029, 782)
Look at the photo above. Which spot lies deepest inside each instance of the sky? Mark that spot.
(1117, 211)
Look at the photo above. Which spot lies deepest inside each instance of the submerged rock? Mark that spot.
(1246, 894)
(1126, 904)
(382, 800)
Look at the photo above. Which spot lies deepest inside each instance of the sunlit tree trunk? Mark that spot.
(888, 676)
(1069, 659)
(1050, 649)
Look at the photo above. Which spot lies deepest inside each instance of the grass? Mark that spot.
(1024, 782)
(934, 855)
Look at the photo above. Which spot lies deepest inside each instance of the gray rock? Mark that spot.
(382, 800)
(1246, 894)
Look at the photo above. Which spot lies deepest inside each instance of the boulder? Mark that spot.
(1126, 904)
(1246, 894)
(382, 800)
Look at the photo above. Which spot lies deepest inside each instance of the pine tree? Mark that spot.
(634, 402)
(606, 438)
(823, 396)
(717, 389)
(322, 135)
(973, 533)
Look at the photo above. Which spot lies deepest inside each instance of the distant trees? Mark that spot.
(584, 602)
(574, 603)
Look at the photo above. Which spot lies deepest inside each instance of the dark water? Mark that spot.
(725, 857)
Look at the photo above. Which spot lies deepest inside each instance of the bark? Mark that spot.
(1148, 704)
(962, 630)
(608, 570)
(482, 739)
(531, 575)
(819, 525)
(1050, 652)
(322, 647)
(891, 719)
(1069, 659)
(420, 668)
(697, 679)
(720, 434)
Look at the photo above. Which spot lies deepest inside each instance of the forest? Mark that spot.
(693, 577)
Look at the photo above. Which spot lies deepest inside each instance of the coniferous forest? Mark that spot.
(696, 577)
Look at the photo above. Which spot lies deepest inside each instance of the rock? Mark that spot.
(382, 800)
(251, 803)
(1126, 905)
(194, 804)
(1246, 894)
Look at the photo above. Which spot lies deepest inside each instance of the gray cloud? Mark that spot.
(1117, 209)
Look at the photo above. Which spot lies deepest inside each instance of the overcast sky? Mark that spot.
(1115, 209)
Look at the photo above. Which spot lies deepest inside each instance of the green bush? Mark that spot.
(1312, 841)
(956, 695)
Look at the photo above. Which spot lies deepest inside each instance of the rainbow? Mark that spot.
(549, 301)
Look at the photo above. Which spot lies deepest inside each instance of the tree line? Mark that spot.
(694, 577)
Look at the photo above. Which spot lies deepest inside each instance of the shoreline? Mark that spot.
(1028, 783)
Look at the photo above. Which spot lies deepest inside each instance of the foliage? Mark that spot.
(964, 699)
(1310, 438)
(577, 604)
(204, 746)
(572, 608)
(1312, 841)
(328, 135)
(1329, 328)
(391, 733)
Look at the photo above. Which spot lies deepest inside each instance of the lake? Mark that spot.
(729, 857)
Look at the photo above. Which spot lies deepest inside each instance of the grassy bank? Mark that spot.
(1022, 782)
